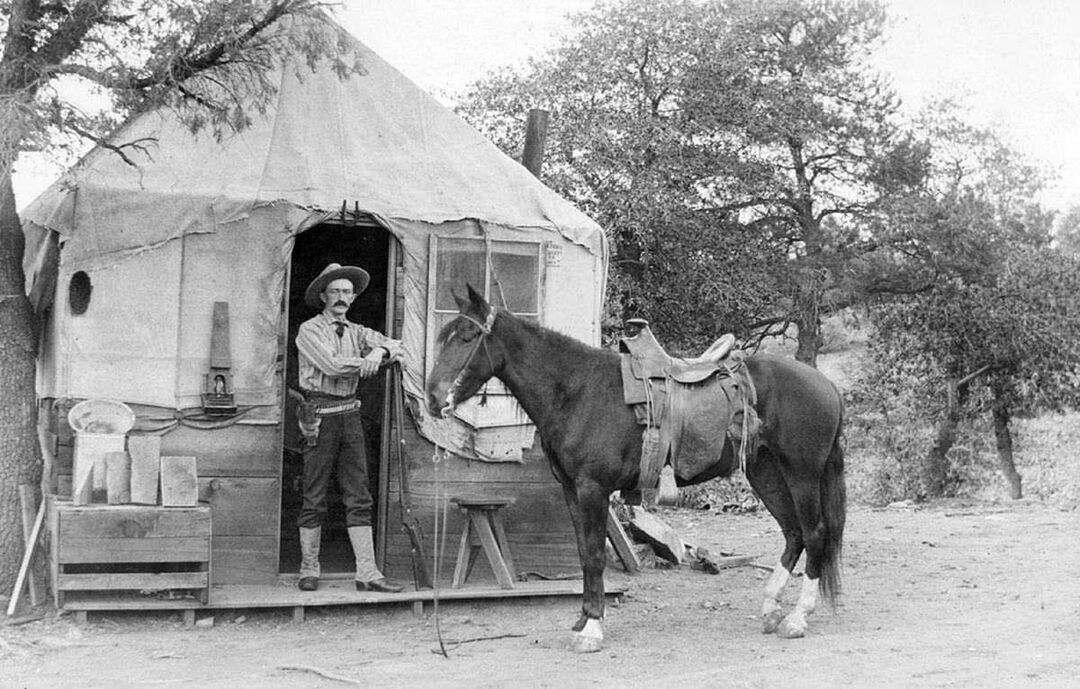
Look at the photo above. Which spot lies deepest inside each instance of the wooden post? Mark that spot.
(27, 556)
(621, 542)
(535, 138)
(26, 503)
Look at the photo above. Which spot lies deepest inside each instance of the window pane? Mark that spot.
(515, 276)
(460, 261)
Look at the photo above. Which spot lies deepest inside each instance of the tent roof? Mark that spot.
(373, 140)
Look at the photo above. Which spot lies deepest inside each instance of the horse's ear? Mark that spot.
(462, 302)
(477, 300)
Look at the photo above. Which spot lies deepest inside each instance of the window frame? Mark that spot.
(433, 313)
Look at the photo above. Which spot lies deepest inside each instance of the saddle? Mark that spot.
(691, 408)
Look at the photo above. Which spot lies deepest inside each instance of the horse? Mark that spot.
(573, 393)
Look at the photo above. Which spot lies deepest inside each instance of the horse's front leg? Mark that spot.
(588, 511)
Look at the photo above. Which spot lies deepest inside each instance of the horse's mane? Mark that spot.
(572, 353)
(539, 334)
(547, 336)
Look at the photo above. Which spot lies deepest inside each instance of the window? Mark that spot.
(510, 276)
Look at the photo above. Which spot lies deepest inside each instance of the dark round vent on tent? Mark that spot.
(79, 292)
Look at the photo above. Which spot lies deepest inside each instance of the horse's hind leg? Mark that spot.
(763, 473)
(808, 509)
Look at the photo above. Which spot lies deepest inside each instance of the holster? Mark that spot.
(308, 419)
(307, 415)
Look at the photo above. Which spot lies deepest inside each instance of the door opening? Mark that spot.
(366, 246)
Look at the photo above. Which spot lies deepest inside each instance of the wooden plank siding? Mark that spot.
(246, 525)
(235, 450)
(538, 523)
(239, 470)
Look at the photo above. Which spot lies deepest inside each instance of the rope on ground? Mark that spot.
(459, 642)
(323, 673)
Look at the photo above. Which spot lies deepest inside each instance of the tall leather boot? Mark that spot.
(368, 576)
(309, 558)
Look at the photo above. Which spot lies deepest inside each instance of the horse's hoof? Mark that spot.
(586, 644)
(771, 621)
(580, 624)
(791, 629)
(590, 639)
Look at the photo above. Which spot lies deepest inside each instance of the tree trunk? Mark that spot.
(936, 461)
(809, 341)
(19, 460)
(1005, 450)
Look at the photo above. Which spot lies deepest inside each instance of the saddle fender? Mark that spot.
(691, 409)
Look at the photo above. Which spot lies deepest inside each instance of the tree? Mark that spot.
(742, 138)
(210, 61)
(980, 310)
(1067, 232)
(620, 149)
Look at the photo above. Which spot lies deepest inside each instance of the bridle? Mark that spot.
(485, 330)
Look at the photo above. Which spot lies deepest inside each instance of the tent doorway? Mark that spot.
(362, 243)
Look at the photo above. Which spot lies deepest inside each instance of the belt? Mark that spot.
(328, 410)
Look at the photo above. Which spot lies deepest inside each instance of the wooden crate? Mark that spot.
(138, 550)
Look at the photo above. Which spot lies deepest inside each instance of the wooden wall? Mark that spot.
(239, 469)
(537, 524)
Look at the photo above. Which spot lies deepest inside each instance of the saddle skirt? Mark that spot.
(691, 409)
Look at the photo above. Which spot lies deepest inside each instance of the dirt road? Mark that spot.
(953, 595)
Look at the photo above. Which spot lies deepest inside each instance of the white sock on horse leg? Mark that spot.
(773, 587)
(592, 629)
(808, 596)
(794, 625)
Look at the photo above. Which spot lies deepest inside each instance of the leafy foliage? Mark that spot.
(975, 311)
(986, 288)
(727, 147)
(211, 62)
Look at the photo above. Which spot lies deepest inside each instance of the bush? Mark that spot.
(732, 494)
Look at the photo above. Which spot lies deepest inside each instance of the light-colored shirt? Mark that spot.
(331, 364)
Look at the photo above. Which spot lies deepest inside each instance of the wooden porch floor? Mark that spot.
(334, 589)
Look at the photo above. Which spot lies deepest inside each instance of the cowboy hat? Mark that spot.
(335, 271)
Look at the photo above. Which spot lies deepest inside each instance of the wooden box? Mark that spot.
(139, 551)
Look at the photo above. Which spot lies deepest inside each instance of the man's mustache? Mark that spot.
(341, 302)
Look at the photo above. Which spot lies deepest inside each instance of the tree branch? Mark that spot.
(971, 376)
(137, 144)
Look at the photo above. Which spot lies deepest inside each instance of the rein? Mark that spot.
(485, 330)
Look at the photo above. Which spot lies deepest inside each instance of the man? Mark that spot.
(334, 354)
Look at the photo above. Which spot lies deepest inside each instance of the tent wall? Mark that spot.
(145, 335)
(240, 464)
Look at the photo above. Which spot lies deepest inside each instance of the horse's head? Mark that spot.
(463, 357)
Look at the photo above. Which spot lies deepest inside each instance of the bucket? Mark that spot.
(100, 427)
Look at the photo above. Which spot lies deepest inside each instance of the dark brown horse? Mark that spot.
(573, 393)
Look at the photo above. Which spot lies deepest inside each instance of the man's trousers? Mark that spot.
(341, 443)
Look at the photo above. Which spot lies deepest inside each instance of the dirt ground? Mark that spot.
(950, 595)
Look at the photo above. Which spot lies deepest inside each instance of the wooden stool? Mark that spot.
(484, 529)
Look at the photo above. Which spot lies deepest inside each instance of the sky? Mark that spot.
(1014, 63)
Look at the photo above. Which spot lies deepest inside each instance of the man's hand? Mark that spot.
(369, 365)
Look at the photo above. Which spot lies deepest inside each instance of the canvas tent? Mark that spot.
(128, 261)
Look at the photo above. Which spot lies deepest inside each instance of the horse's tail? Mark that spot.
(834, 514)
